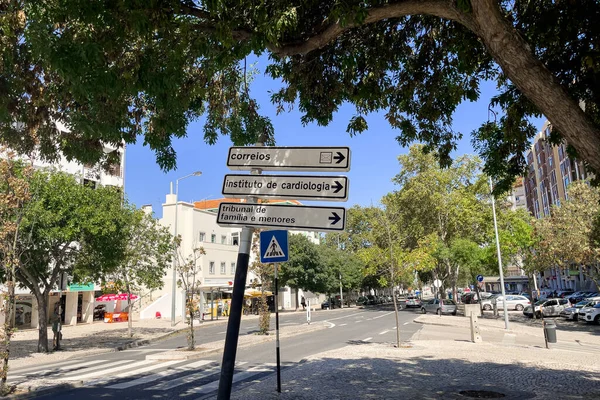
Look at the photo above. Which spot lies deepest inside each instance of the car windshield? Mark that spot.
(449, 302)
(582, 304)
(597, 305)
(540, 302)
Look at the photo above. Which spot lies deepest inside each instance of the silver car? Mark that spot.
(439, 307)
(413, 301)
(547, 307)
(513, 302)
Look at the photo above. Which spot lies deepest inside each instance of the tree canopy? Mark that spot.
(120, 70)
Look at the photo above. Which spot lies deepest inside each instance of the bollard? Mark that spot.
(475, 333)
(550, 331)
(495, 309)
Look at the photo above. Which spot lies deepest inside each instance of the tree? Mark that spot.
(146, 257)
(67, 227)
(188, 270)
(439, 206)
(150, 68)
(300, 271)
(265, 274)
(15, 193)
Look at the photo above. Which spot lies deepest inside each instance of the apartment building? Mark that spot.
(550, 170)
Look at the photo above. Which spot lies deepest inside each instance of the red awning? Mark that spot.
(113, 297)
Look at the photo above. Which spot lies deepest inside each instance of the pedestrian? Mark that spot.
(303, 302)
(226, 308)
(56, 329)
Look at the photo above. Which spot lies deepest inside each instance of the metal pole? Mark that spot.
(504, 305)
(341, 291)
(308, 313)
(237, 300)
(174, 277)
(235, 318)
(277, 332)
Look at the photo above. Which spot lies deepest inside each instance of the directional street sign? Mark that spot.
(274, 246)
(479, 278)
(289, 158)
(313, 218)
(332, 188)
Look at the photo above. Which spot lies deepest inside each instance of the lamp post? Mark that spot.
(499, 257)
(174, 284)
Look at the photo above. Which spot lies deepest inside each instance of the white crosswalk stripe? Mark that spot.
(106, 370)
(24, 372)
(173, 383)
(158, 375)
(214, 385)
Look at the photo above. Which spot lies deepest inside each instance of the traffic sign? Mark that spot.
(289, 158)
(479, 278)
(274, 246)
(314, 218)
(332, 188)
(437, 283)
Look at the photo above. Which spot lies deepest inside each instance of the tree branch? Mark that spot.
(440, 8)
(193, 11)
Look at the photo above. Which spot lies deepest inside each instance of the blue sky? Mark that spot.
(374, 152)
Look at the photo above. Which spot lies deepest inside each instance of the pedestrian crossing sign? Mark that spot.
(274, 246)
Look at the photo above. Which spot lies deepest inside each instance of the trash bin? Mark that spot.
(550, 331)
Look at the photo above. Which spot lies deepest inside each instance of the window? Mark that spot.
(201, 237)
(561, 153)
(223, 268)
(211, 268)
(232, 268)
(550, 160)
(539, 158)
(213, 238)
(235, 239)
(223, 239)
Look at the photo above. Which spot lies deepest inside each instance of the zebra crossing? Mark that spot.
(189, 377)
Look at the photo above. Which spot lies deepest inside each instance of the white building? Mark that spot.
(197, 226)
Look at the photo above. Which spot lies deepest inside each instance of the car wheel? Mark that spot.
(519, 307)
(597, 320)
(423, 310)
(487, 307)
(538, 315)
(454, 313)
(439, 311)
(576, 317)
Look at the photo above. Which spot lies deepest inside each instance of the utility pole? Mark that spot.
(499, 258)
(341, 291)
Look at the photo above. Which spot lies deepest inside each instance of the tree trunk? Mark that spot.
(9, 311)
(129, 314)
(42, 300)
(297, 299)
(535, 81)
(190, 307)
(397, 320)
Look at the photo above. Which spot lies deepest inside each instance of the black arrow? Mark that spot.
(339, 157)
(338, 186)
(336, 218)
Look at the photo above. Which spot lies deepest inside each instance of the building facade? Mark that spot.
(196, 223)
(550, 171)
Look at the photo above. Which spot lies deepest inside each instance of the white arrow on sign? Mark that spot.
(332, 188)
(313, 218)
(289, 158)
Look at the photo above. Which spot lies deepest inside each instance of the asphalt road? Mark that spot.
(128, 375)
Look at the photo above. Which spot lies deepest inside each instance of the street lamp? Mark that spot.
(174, 285)
(500, 258)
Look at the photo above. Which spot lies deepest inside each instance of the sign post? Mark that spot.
(274, 248)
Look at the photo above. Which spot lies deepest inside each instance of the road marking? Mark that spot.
(384, 332)
(357, 322)
(30, 371)
(106, 371)
(218, 333)
(406, 323)
(268, 367)
(331, 323)
(345, 316)
(367, 339)
(173, 383)
(343, 324)
(381, 316)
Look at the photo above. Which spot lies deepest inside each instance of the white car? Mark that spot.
(513, 302)
(413, 301)
(547, 307)
(591, 302)
(593, 314)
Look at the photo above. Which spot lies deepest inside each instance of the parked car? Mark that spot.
(362, 301)
(590, 302)
(546, 307)
(439, 307)
(593, 314)
(573, 312)
(413, 301)
(513, 302)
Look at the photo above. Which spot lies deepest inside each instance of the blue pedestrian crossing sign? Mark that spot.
(274, 246)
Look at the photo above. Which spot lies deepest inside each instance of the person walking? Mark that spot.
(56, 329)
(303, 302)
(226, 308)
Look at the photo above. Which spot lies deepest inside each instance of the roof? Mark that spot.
(214, 204)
